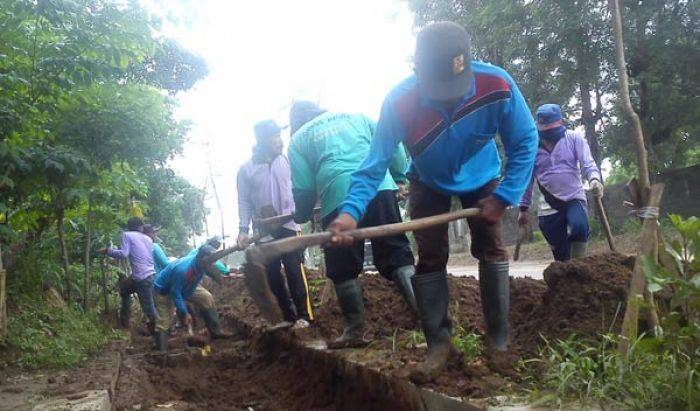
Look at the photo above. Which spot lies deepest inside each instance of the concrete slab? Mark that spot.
(84, 401)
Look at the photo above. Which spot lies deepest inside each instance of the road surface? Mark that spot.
(531, 269)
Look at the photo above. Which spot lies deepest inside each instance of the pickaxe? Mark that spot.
(257, 257)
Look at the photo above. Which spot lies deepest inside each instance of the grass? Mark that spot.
(46, 337)
(597, 375)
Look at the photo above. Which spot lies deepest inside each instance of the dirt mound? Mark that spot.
(584, 296)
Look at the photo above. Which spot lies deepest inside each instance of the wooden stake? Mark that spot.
(648, 247)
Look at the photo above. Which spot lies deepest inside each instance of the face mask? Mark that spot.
(552, 135)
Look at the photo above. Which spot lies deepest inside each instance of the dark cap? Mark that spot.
(302, 112)
(149, 229)
(266, 129)
(548, 117)
(134, 224)
(214, 242)
(443, 61)
(205, 251)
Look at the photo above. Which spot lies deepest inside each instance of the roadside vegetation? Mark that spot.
(87, 129)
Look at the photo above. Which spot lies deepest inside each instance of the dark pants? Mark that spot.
(389, 253)
(433, 243)
(295, 282)
(142, 288)
(569, 225)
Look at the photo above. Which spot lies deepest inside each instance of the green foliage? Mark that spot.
(45, 337)
(469, 344)
(87, 127)
(649, 377)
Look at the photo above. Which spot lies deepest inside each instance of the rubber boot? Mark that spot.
(495, 302)
(211, 320)
(578, 249)
(350, 301)
(432, 298)
(402, 278)
(161, 342)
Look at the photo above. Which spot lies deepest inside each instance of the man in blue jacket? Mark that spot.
(180, 282)
(448, 115)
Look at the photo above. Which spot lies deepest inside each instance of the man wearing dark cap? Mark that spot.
(563, 214)
(448, 115)
(326, 148)
(180, 282)
(138, 248)
(265, 190)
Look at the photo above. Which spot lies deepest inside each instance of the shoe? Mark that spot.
(351, 305)
(432, 298)
(402, 278)
(495, 303)
(300, 324)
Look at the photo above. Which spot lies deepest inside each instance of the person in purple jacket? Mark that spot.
(562, 156)
(265, 190)
(138, 248)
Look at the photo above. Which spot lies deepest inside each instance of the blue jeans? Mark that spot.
(569, 225)
(142, 288)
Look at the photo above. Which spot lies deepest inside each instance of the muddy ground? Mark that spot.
(584, 297)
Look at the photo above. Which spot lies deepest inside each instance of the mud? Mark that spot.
(583, 297)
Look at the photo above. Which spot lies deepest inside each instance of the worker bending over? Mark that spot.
(265, 190)
(324, 151)
(563, 215)
(180, 282)
(448, 115)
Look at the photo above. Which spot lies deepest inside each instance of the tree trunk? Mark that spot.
(64, 252)
(3, 302)
(628, 111)
(588, 119)
(88, 257)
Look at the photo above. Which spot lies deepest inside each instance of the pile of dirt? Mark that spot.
(585, 297)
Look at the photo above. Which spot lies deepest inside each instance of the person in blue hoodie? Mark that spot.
(179, 282)
(448, 116)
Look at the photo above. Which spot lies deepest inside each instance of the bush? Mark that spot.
(45, 337)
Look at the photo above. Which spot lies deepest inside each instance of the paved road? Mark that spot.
(531, 269)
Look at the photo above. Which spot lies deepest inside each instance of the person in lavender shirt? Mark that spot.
(138, 248)
(265, 190)
(561, 158)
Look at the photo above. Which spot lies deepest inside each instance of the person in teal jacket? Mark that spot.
(325, 149)
(160, 259)
(178, 282)
(448, 115)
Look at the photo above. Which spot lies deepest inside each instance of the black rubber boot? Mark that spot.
(402, 278)
(211, 319)
(432, 298)
(495, 302)
(161, 342)
(350, 301)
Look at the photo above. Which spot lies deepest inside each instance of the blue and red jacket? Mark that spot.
(453, 153)
(179, 279)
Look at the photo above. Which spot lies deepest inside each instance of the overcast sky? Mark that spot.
(261, 55)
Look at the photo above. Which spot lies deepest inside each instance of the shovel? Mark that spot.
(257, 257)
(604, 222)
(522, 234)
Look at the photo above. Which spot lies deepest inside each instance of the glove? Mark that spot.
(523, 218)
(596, 188)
